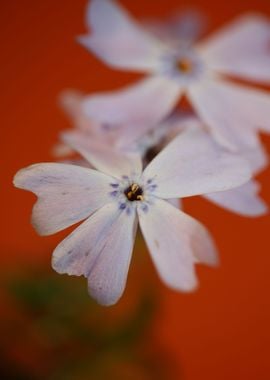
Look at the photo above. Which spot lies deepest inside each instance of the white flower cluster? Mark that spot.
(140, 156)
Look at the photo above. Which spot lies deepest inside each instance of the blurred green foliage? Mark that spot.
(53, 330)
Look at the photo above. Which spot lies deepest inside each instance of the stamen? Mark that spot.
(134, 193)
(184, 65)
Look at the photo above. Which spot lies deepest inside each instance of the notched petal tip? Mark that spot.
(19, 179)
(39, 227)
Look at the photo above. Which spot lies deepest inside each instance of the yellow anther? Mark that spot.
(134, 193)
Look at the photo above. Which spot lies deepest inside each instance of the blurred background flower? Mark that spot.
(50, 328)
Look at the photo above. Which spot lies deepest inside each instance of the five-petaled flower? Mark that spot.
(111, 206)
(232, 112)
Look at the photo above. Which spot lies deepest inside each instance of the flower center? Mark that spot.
(134, 193)
(184, 65)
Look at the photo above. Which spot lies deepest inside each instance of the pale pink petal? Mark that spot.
(100, 249)
(72, 101)
(66, 194)
(241, 48)
(243, 200)
(233, 113)
(175, 241)
(135, 108)
(103, 156)
(194, 164)
(60, 150)
(118, 40)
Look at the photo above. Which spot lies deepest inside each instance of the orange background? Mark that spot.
(220, 332)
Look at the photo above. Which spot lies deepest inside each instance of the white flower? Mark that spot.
(233, 113)
(111, 205)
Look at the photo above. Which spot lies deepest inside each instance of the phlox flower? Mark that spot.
(111, 206)
(233, 113)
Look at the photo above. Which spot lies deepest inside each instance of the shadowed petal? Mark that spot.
(66, 194)
(103, 156)
(100, 249)
(193, 164)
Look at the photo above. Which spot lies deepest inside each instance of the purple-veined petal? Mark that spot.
(176, 241)
(118, 40)
(66, 194)
(136, 108)
(243, 200)
(233, 113)
(103, 156)
(100, 249)
(241, 48)
(193, 164)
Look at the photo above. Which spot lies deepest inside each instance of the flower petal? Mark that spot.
(179, 30)
(176, 241)
(243, 200)
(257, 158)
(100, 249)
(241, 48)
(104, 157)
(233, 113)
(118, 40)
(72, 101)
(175, 202)
(194, 164)
(136, 108)
(66, 194)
